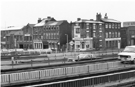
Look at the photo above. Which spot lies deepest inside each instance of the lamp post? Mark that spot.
(67, 42)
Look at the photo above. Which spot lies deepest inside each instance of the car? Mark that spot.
(83, 56)
(127, 55)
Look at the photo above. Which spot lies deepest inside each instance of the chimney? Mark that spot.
(106, 17)
(78, 19)
(91, 20)
(39, 20)
(49, 17)
(98, 17)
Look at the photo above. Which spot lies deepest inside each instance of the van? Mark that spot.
(127, 55)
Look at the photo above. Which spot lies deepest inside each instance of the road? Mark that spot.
(53, 58)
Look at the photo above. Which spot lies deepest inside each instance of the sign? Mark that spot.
(71, 43)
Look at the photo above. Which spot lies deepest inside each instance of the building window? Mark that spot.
(100, 26)
(94, 26)
(94, 34)
(106, 25)
(115, 34)
(77, 30)
(113, 26)
(100, 34)
(109, 34)
(47, 35)
(106, 34)
(109, 25)
(119, 26)
(118, 34)
(112, 34)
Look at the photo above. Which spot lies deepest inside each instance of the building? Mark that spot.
(128, 23)
(38, 32)
(49, 33)
(111, 31)
(27, 42)
(102, 33)
(127, 36)
(85, 33)
(14, 37)
(56, 34)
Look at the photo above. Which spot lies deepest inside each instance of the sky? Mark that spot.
(22, 12)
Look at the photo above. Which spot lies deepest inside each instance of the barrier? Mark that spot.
(58, 72)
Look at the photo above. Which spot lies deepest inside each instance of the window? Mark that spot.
(77, 30)
(115, 34)
(109, 34)
(47, 35)
(94, 26)
(106, 34)
(109, 25)
(106, 25)
(100, 26)
(100, 34)
(119, 26)
(94, 34)
(118, 34)
(113, 26)
(112, 34)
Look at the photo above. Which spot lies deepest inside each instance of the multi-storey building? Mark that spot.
(111, 31)
(128, 23)
(85, 33)
(38, 32)
(99, 34)
(56, 34)
(49, 33)
(14, 38)
(127, 34)
(27, 42)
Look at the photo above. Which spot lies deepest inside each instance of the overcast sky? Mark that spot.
(21, 12)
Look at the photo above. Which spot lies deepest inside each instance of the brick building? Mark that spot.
(127, 35)
(27, 42)
(111, 31)
(101, 33)
(85, 34)
(38, 32)
(49, 33)
(14, 37)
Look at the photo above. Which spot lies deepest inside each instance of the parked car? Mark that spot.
(127, 55)
(83, 56)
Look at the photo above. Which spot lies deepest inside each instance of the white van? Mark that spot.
(127, 55)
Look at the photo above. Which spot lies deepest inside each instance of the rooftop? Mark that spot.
(54, 23)
(87, 21)
(15, 33)
(13, 28)
(110, 20)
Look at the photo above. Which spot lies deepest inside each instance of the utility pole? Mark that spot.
(67, 42)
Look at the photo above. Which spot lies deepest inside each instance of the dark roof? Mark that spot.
(54, 23)
(31, 25)
(15, 33)
(109, 20)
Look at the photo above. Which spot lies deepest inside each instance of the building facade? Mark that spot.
(49, 33)
(14, 38)
(38, 32)
(111, 31)
(85, 33)
(102, 33)
(27, 42)
(127, 36)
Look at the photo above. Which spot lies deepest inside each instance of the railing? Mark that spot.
(47, 74)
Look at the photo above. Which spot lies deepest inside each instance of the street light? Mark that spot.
(67, 42)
